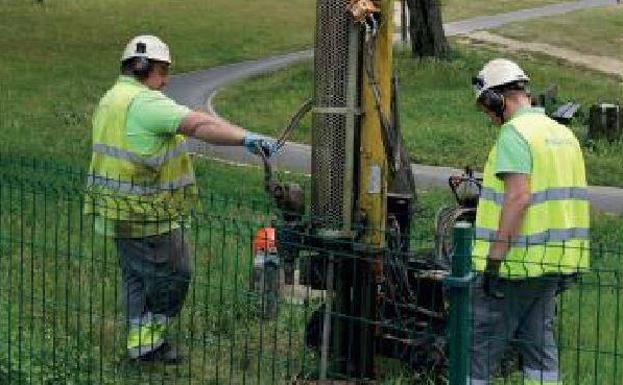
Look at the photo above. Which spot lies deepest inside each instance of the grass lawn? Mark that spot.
(58, 58)
(454, 10)
(592, 31)
(440, 122)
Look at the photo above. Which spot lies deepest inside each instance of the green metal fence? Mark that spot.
(62, 318)
(586, 325)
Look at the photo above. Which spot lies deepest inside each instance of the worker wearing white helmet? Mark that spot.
(142, 188)
(149, 47)
(532, 228)
(498, 77)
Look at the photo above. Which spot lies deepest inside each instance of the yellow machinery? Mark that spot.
(362, 193)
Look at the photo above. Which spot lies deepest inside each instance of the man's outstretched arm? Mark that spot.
(212, 129)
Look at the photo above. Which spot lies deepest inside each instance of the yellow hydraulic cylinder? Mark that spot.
(373, 168)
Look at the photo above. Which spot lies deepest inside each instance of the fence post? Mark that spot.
(459, 295)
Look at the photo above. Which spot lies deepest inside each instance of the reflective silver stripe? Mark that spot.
(551, 235)
(118, 153)
(554, 194)
(489, 194)
(139, 189)
(153, 162)
(158, 161)
(560, 194)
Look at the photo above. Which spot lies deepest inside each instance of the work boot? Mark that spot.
(145, 338)
(167, 354)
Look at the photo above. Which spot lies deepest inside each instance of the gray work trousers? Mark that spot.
(524, 318)
(155, 274)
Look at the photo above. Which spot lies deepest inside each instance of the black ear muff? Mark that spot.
(489, 99)
(494, 102)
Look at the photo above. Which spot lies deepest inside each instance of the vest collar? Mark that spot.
(527, 110)
(130, 80)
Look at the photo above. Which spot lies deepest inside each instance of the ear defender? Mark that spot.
(494, 102)
(489, 98)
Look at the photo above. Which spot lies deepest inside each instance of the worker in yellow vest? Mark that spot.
(532, 229)
(141, 188)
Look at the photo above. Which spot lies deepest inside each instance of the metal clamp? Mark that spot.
(337, 111)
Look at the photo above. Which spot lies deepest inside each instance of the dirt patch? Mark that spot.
(602, 64)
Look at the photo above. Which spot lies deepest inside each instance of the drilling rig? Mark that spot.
(353, 238)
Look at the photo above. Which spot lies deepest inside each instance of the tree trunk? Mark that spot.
(426, 29)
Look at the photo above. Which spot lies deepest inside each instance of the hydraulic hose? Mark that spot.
(294, 122)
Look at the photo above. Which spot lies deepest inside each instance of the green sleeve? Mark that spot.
(155, 113)
(513, 153)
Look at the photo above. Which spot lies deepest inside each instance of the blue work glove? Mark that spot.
(257, 144)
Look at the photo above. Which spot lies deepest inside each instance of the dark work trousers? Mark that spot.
(156, 274)
(524, 318)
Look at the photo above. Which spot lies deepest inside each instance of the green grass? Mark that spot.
(591, 31)
(59, 58)
(454, 10)
(440, 122)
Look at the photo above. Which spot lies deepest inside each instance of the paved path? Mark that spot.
(196, 90)
(495, 21)
(490, 22)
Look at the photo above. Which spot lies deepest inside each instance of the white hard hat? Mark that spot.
(147, 46)
(498, 72)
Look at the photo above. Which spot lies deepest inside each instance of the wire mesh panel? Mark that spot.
(63, 302)
(329, 132)
(559, 326)
(63, 297)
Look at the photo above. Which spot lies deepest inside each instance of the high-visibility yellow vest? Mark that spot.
(133, 190)
(554, 236)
